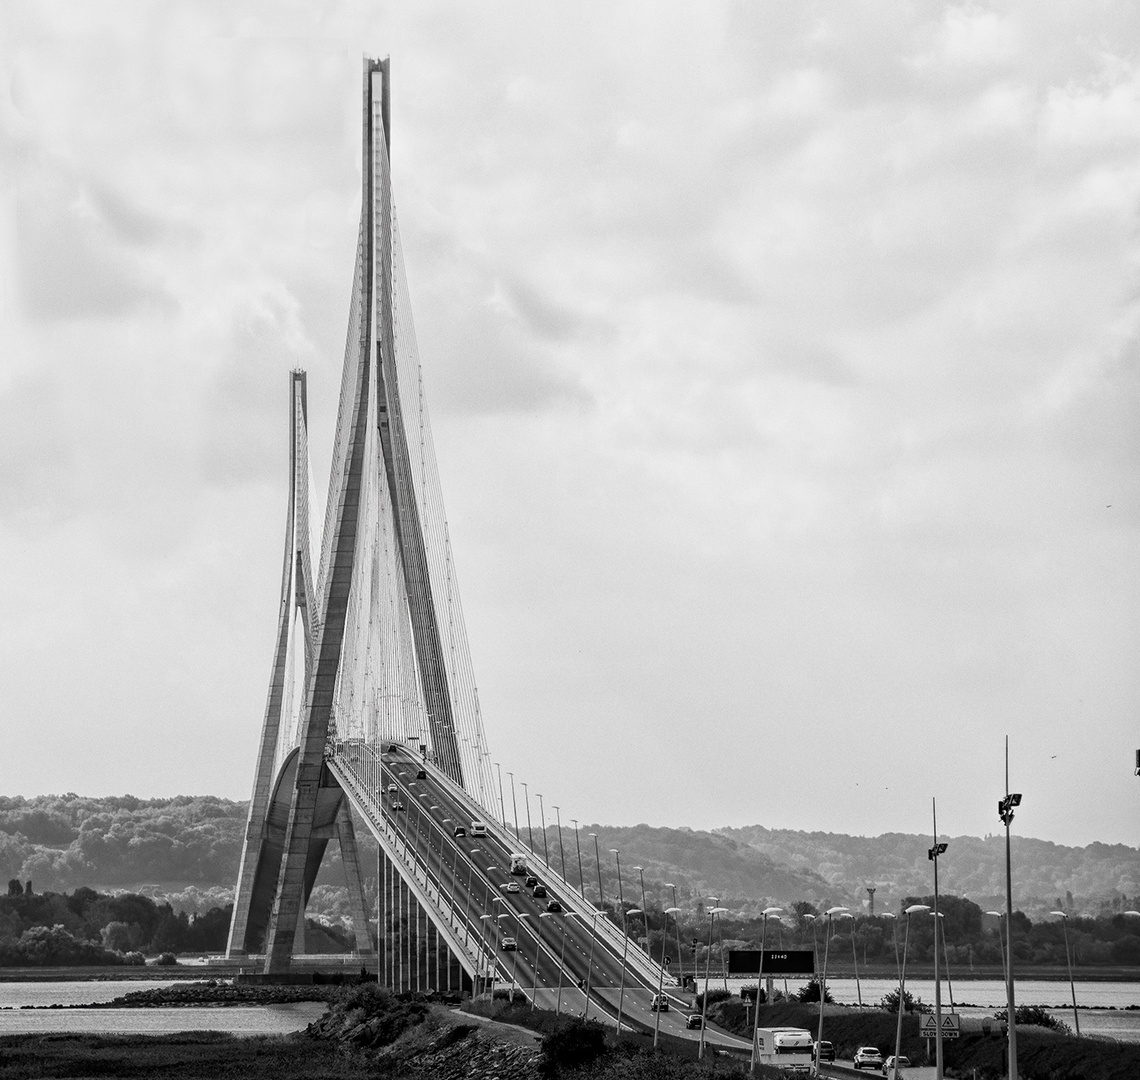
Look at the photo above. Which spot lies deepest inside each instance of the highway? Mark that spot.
(471, 873)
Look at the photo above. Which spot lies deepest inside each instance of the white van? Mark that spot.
(478, 828)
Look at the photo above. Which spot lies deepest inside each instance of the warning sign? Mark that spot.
(928, 1027)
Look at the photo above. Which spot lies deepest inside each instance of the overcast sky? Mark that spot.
(783, 361)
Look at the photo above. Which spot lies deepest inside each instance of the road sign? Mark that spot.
(781, 962)
(928, 1028)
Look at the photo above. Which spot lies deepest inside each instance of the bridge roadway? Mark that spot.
(470, 874)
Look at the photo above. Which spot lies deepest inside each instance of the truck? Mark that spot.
(785, 1048)
(518, 863)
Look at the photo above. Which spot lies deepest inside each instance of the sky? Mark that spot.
(783, 367)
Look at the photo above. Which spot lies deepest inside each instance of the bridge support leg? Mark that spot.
(354, 880)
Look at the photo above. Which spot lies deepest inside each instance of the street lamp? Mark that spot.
(829, 915)
(590, 962)
(1069, 962)
(515, 806)
(598, 863)
(542, 819)
(677, 924)
(561, 849)
(854, 958)
(661, 970)
(760, 978)
(644, 907)
(894, 935)
(932, 855)
(578, 844)
(514, 957)
(537, 947)
(621, 894)
(1005, 813)
(502, 808)
(912, 910)
(1001, 940)
(561, 958)
(624, 954)
(714, 911)
(526, 801)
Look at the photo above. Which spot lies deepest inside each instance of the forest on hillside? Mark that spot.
(185, 851)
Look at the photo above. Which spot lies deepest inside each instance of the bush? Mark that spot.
(714, 997)
(810, 992)
(167, 959)
(572, 1045)
(890, 1002)
(1035, 1016)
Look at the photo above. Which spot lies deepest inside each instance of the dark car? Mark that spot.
(460, 831)
(694, 1021)
(660, 1003)
(531, 881)
(824, 1051)
(422, 774)
(540, 890)
(553, 905)
(509, 944)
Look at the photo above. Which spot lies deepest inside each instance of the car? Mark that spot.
(509, 945)
(868, 1057)
(531, 881)
(553, 905)
(694, 1020)
(393, 748)
(540, 891)
(660, 1003)
(824, 1051)
(510, 886)
(460, 831)
(392, 789)
(397, 805)
(422, 774)
(889, 1064)
(478, 828)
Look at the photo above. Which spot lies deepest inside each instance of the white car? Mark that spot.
(889, 1064)
(868, 1057)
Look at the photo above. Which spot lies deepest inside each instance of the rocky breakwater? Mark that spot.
(212, 992)
(424, 1036)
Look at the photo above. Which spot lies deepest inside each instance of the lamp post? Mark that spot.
(502, 808)
(1001, 940)
(519, 916)
(590, 962)
(644, 907)
(894, 935)
(515, 806)
(598, 863)
(759, 979)
(526, 802)
(578, 844)
(912, 910)
(932, 855)
(661, 971)
(854, 958)
(677, 924)
(561, 959)
(621, 894)
(829, 915)
(624, 954)
(1005, 813)
(713, 912)
(561, 849)
(514, 956)
(542, 819)
(1069, 962)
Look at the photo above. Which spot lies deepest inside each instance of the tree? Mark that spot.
(117, 936)
(15, 888)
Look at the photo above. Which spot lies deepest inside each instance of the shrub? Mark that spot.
(810, 992)
(572, 1045)
(167, 959)
(714, 997)
(1035, 1016)
(890, 1002)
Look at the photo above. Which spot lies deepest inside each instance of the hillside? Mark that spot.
(186, 849)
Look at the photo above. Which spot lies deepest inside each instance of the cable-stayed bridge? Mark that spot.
(372, 705)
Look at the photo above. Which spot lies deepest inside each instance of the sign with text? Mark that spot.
(928, 1027)
(776, 961)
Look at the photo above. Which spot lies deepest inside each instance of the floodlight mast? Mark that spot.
(1005, 813)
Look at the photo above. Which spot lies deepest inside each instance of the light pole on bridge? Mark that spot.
(598, 863)
(621, 895)
(713, 912)
(542, 819)
(759, 979)
(590, 961)
(912, 910)
(1069, 962)
(502, 808)
(644, 906)
(514, 803)
(529, 831)
(674, 911)
(624, 954)
(561, 957)
(578, 844)
(561, 849)
(854, 958)
(677, 924)
(829, 915)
